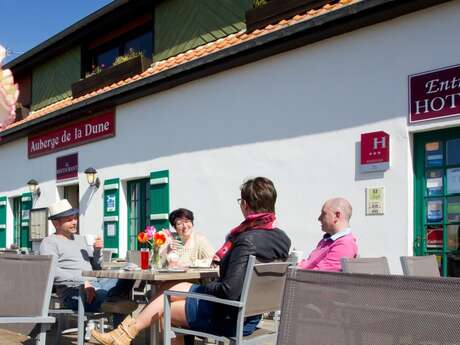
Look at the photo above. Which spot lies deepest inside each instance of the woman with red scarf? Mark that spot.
(256, 235)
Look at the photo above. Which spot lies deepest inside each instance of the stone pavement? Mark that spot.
(9, 338)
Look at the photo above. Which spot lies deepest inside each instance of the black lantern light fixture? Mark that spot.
(91, 177)
(33, 187)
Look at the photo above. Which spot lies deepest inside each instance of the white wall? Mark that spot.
(295, 118)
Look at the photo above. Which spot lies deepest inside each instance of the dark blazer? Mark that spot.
(265, 245)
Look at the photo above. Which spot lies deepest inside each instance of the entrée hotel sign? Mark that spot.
(77, 133)
(434, 94)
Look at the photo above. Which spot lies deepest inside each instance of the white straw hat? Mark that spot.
(62, 209)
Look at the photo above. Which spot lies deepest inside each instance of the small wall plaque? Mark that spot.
(375, 197)
(38, 224)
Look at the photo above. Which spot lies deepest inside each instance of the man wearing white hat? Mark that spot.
(74, 255)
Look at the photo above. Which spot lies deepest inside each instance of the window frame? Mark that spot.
(90, 55)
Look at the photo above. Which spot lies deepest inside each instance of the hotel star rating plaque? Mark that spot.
(375, 201)
(375, 151)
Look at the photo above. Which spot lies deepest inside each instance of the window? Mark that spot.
(137, 41)
(138, 210)
(142, 43)
(107, 58)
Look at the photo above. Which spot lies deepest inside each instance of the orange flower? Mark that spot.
(159, 238)
(142, 237)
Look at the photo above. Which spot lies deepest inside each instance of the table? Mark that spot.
(154, 278)
(154, 275)
(111, 265)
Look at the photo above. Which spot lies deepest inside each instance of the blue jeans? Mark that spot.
(105, 288)
(204, 316)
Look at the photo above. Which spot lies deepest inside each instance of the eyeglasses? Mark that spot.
(239, 201)
(180, 223)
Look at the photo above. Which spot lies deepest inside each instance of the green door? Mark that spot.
(138, 209)
(112, 215)
(17, 221)
(3, 202)
(26, 206)
(437, 197)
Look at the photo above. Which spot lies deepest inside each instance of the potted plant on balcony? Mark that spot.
(265, 12)
(125, 66)
(21, 111)
(259, 3)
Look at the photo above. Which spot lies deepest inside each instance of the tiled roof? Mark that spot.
(160, 66)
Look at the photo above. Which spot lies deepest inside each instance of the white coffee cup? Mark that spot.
(90, 239)
(298, 254)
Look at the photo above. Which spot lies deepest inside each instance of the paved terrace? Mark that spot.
(9, 338)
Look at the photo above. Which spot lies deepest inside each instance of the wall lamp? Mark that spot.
(91, 177)
(33, 187)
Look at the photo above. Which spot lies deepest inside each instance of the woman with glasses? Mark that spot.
(189, 248)
(257, 236)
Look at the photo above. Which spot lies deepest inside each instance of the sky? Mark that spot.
(27, 23)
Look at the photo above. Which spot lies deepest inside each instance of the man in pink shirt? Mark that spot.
(337, 243)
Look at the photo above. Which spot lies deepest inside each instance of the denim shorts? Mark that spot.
(205, 316)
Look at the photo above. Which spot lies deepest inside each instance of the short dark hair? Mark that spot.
(180, 213)
(260, 194)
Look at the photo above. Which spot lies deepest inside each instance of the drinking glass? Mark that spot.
(144, 258)
(185, 257)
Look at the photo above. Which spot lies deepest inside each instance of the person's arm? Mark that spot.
(61, 275)
(205, 249)
(96, 255)
(231, 285)
(332, 260)
(304, 264)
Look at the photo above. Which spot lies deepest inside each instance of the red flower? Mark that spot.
(142, 237)
(159, 238)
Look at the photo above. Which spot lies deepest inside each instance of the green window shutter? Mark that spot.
(112, 214)
(51, 81)
(159, 199)
(181, 25)
(3, 222)
(26, 205)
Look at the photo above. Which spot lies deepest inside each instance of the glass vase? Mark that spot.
(155, 261)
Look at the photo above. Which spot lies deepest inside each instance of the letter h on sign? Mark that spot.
(375, 151)
(380, 141)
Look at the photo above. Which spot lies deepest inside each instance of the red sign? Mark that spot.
(375, 151)
(434, 94)
(77, 133)
(434, 237)
(67, 167)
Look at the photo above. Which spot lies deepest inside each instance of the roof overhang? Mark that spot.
(333, 23)
(74, 34)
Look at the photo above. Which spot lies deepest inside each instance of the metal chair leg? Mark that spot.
(81, 317)
(59, 328)
(41, 337)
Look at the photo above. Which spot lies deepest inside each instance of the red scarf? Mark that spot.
(259, 221)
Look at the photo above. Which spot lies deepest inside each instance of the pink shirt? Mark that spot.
(329, 251)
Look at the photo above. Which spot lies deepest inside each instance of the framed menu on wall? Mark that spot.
(38, 224)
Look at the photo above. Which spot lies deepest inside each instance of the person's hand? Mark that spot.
(90, 292)
(175, 245)
(98, 243)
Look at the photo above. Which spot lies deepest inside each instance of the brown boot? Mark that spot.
(122, 335)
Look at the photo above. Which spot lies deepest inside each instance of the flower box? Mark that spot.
(111, 75)
(21, 112)
(277, 10)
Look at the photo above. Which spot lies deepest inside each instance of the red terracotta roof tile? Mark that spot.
(157, 67)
